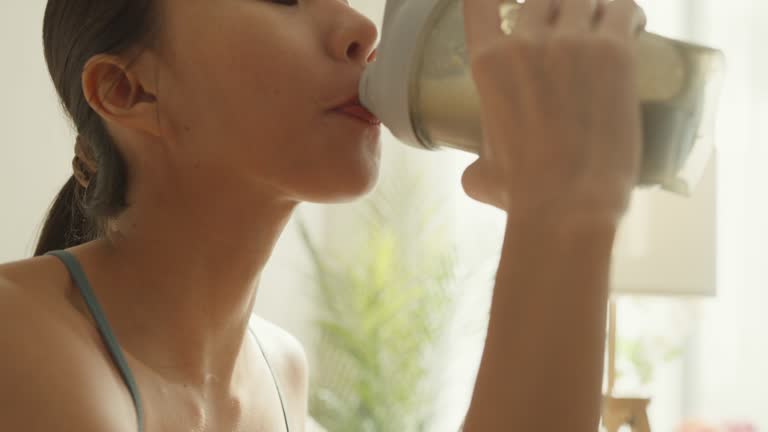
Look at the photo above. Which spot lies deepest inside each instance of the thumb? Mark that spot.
(480, 184)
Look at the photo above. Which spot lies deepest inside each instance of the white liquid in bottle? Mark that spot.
(450, 110)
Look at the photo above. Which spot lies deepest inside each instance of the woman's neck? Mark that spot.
(179, 286)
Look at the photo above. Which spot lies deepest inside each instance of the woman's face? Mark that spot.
(246, 91)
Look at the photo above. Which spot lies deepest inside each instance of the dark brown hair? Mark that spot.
(73, 32)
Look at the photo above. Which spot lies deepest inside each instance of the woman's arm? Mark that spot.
(561, 155)
(543, 360)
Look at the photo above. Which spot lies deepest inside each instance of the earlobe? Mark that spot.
(118, 95)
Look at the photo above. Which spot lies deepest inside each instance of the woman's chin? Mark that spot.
(344, 189)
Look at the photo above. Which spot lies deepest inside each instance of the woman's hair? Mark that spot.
(73, 32)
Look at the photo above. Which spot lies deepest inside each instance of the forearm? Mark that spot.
(543, 359)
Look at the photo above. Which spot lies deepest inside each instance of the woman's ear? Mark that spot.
(119, 94)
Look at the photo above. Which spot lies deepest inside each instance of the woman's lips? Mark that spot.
(359, 112)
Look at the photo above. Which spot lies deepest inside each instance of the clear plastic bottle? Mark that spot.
(422, 90)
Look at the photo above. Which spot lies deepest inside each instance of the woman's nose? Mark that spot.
(354, 38)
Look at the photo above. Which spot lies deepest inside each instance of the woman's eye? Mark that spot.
(286, 2)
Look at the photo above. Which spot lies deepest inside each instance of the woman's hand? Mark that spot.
(560, 113)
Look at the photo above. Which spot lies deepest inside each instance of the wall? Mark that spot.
(729, 378)
(36, 143)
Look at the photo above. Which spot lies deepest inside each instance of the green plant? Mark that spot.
(383, 305)
(641, 356)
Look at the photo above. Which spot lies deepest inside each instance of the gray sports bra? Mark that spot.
(78, 276)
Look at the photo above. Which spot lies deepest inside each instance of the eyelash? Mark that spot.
(286, 2)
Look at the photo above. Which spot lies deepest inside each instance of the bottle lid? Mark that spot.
(385, 86)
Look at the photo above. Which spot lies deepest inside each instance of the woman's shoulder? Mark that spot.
(288, 359)
(35, 306)
(41, 277)
(40, 287)
(50, 368)
(284, 351)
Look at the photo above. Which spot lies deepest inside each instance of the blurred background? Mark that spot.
(390, 295)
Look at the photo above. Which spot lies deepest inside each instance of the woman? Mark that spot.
(203, 124)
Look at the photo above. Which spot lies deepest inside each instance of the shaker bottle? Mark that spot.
(421, 88)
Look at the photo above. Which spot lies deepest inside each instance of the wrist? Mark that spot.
(564, 222)
(577, 207)
(561, 240)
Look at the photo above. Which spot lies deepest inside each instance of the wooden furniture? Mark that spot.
(632, 412)
(617, 411)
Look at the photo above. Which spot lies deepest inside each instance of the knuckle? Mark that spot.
(612, 48)
(484, 56)
(522, 45)
(623, 4)
(571, 41)
(628, 8)
(501, 51)
(588, 45)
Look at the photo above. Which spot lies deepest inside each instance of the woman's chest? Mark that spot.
(257, 408)
(251, 402)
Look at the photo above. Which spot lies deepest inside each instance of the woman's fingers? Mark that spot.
(536, 16)
(576, 16)
(622, 18)
(617, 17)
(482, 23)
(599, 11)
